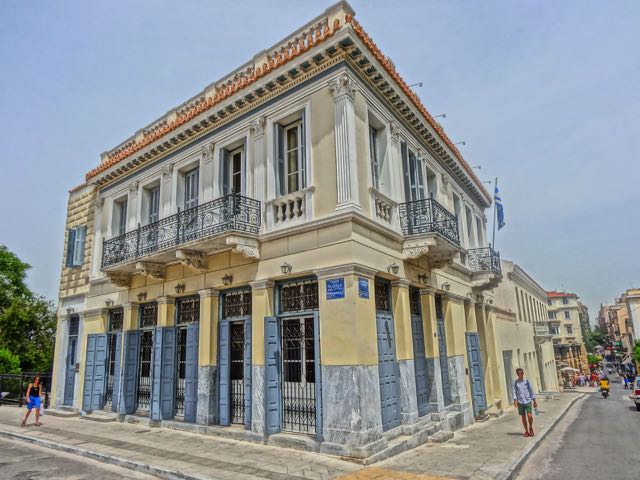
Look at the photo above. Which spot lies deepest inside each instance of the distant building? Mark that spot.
(583, 315)
(632, 301)
(564, 324)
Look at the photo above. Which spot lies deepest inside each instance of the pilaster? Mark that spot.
(130, 316)
(259, 162)
(208, 336)
(432, 352)
(343, 89)
(166, 311)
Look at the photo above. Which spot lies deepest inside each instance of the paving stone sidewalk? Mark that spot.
(480, 452)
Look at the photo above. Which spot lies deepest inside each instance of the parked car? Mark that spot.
(635, 396)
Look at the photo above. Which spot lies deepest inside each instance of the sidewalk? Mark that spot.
(482, 451)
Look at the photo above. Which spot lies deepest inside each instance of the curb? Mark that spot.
(104, 458)
(514, 466)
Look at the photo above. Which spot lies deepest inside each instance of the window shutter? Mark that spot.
(71, 241)
(224, 158)
(280, 159)
(405, 170)
(78, 249)
(224, 367)
(303, 156)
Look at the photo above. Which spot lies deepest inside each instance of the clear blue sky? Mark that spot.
(546, 94)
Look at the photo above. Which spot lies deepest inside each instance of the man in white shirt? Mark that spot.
(523, 397)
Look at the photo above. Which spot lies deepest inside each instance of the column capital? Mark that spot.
(165, 299)
(257, 126)
(209, 292)
(401, 283)
(130, 305)
(261, 284)
(427, 291)
(347, 269)
(343, 86)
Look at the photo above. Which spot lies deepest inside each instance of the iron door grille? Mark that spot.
(181, 369)
(115, 325)
(236, 304)
(237, 372)
(383, 295)
(148, 319)
(187, 310)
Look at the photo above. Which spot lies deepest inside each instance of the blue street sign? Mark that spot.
(363, 288)
(335, 288)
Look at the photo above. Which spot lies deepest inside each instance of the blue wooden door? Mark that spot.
(115, 397)
(168, 373)
(272, 375)
(317, 375)
(224, 402)
(247, 374)
(89, 364)
(95, 373)
(129, 372)
(156, 378)
(475, 370)
(388, 371)
(191, 374)
(70, 371)
(442, 350)
(420, 364)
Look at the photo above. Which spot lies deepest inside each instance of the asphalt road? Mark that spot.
(597, 439)
(24, 461)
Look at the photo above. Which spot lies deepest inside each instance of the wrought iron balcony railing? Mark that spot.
(231, 213)
(428, 216)
(484, 260)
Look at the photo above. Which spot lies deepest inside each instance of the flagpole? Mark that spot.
(493, 241)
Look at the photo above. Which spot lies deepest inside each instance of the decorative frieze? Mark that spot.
(193, 259)
(154, 270)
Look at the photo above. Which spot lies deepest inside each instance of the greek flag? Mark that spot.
(499, 209)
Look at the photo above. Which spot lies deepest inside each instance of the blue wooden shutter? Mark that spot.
(156, 375)
(99, 373)
(281, 188)
(303, 146)
(224, 160)
(406, 171)
(168, 373)
(272, 374)
(116, 373)
(191, 374)
(78, 249)
(224, 372)
(247, 374)
(318, 375)
(130, 372)
(71, 241)
(88, 373)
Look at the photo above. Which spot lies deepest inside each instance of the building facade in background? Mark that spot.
(565, 326)
(297, 249)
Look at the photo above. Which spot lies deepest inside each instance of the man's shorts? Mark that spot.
(524, 408)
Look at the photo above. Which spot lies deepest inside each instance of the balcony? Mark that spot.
(429, 229)
(484, 264)
(232, 221)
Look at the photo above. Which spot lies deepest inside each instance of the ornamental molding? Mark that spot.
(193, 259)
(167, 171)
(258, 126)
(100, 203)
(342, 86)
(119, 279)
(440, 261)
(133, 188)
(417, 248)
(206, 153)
(247, 247)
(154, 270)
(394, 128)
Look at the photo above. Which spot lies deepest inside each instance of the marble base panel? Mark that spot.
(408, 395)
(257, 399)
(459, 392)
(207, 409)
(434, 385)
(351, 405)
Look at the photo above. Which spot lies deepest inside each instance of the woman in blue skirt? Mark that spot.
(33, 400)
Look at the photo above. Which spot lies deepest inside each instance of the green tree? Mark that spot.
(636, 351)
(9, 363)
(593, 338)
(27, 321)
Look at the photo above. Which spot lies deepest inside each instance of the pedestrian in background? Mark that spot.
(34, 391)
(523, 398)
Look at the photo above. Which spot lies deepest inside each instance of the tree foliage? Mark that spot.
(593, 338)
(9, 363)
(636, 351)
(27, 321)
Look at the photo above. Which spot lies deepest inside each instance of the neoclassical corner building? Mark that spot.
(297, 254)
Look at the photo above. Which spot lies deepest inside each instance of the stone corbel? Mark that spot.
(395, 131)
(149, 269)
(167, 172)
(417, 248)
(119, 279)
(248, 247)
(193, 259)
(258, 126)
(440, 261)
(133, 188)
(207, 152)
(343, 85)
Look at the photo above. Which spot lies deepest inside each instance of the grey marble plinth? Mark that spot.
(207, 410)
(434, 385)
(408, 395)
(457, 381)
(351, 405)
(257, 399)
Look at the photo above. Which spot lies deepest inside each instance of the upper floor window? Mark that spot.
(567, 315)
(191, 186)
(552, 315)
(153, 204)
(554, 330)
(375, 159)
(290, 155)
(565, 300)
(549, 302)
(76, 238)
(413, 175)
(233, 169)
(120, 216)
(569, 330)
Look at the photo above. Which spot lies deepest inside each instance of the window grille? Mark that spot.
(115, 320)
(148, 315)
(414, 301)
(299, 296)
(188, 310)
(383, 295)
(236, 303)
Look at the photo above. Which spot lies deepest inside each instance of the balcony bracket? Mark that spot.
(417, 248)
(248, 247)
(154, 270)
(119, 279)
(193, 259)
(441, 261)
